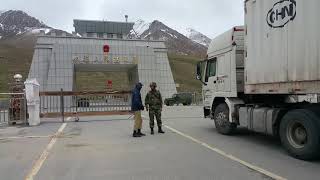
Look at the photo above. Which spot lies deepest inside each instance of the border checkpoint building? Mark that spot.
(103, 46)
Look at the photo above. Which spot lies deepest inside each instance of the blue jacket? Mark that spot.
(136, 102)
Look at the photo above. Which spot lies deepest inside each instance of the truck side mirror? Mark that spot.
(198, 77)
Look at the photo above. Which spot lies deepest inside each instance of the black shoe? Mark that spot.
(160, 130)
(135, 134)
(140, 133)
(152, 132)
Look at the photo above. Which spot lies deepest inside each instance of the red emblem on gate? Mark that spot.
(109, 84)
(106, 48)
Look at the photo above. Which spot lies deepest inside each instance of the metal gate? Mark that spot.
(13, 109)
(90, 103)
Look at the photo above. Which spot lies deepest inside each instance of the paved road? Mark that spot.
(102, 148)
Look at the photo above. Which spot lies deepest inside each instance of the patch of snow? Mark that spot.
(20, 32)
(172, 35)
(37, 30)
(1, 26)
(0, 37)
(147, 35)
(47, 30)
(200, 42)
(165, 31)
(78, 35)
(198, 37)
(140, 26)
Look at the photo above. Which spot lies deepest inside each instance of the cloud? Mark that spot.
(208, 16)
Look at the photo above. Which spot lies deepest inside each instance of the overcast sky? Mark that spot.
(210, 17)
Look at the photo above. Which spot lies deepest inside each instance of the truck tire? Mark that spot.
(221, 120)
(299, 134)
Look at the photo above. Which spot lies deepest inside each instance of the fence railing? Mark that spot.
(68, 103)
(197, 99)
(13, 108)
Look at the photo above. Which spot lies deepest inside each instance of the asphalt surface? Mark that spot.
(102, 148)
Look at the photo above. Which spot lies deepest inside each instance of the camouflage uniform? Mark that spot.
(154, 102)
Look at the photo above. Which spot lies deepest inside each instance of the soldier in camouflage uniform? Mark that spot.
(153, 104)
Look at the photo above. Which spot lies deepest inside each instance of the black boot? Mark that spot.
(140, 133)
(152, 132)
(160, 130)
(135, 134)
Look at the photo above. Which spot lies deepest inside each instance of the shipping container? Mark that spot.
(282, 46)
(274, 75)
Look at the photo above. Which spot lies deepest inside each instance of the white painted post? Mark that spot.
(33, 101)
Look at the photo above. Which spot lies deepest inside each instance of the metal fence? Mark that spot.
(13, 109)
(67, 103)
(197, 99)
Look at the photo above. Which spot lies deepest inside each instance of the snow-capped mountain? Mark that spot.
(175, 41)
(14, 23)
(139, 27)
(18, 23)
(198, 37)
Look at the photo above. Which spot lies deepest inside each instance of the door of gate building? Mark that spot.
(91, 103)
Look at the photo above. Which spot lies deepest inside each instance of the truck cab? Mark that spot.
(222, 72)
(238, 91)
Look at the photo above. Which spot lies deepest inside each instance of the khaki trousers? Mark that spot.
(137, 120)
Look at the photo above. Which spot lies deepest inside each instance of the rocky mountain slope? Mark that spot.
(198, 37)
(175, 41)
(13, 23)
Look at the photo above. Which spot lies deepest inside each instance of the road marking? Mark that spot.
(37, 165)
(24, 137)
(229, 156)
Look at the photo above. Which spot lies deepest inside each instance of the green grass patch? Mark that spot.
(184, 72)
(97, 81)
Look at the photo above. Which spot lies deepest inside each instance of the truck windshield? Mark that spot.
(211, 70)
(201, 69)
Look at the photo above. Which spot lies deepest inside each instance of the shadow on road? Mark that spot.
(243, 134)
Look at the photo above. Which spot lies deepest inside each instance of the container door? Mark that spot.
(304, 40)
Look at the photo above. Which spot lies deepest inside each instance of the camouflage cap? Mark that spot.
(153, 84)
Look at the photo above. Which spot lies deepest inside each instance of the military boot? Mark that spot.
(140, 133)
(160, 130)
(152, 132)
(135, 134)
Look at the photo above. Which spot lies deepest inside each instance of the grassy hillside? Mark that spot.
(96, 81)
(184, 70)
(16, 55)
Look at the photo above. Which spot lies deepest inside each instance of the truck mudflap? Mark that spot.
(234, 104)
(207, 112)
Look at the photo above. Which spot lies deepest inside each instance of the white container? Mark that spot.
(283, 46)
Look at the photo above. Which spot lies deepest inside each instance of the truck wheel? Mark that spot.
(221, 120)
(299, 134)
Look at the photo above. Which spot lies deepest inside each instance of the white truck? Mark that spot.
(265, 75)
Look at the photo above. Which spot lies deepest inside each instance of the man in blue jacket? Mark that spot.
(137, 107)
